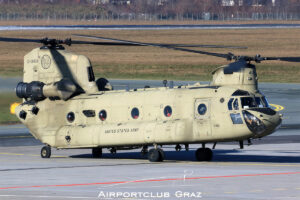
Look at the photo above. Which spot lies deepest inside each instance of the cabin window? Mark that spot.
(89, 113)
(168, 111)
(70, 117)
(135, 113)
(91, 75)
(102, 115)
(202, 109)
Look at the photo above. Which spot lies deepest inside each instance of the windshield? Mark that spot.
(264, 99)
(259, 102)
(248, 102)
(262, 102)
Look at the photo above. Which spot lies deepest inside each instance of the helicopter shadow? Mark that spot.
(219, 156)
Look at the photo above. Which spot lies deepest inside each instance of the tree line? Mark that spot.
(149, 9)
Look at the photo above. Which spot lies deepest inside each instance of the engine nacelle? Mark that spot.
(244, 79)
(38, 91)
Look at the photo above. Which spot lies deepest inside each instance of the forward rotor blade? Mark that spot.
(156, 45)
(288, 59)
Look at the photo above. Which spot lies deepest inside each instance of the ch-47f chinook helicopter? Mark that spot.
(64, 107)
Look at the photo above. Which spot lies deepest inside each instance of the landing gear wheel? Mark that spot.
(156, 155)
(161, 155)
(97, 152)
(46, 152)
(204, 154)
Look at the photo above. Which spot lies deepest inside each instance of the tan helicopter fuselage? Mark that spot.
(71, 116)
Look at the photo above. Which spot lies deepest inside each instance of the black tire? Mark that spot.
(161, 155)
(208, 154)
(97, 152)
(204, 154)
(46, 152)
(154, 155)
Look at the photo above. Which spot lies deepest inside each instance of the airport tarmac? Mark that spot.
(268, 169)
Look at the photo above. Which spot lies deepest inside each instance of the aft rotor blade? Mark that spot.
(204, 46)
(161, 44)
(19, 40)
(156, 45)
(70, 42)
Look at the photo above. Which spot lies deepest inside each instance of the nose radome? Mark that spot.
(262, 121)
(272, 121)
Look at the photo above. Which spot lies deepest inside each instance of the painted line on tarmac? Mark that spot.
(38, 196)
(279, 189)
(240, 164)
(8, 137)
(12, 154)
(277, 107)
(12, 127)
(261, 164)
(255, 191)
(152, 180)
(20, 154)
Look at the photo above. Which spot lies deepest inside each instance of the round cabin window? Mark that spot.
(135, 113)
(102, 115)
(70, 117)
(202, 109)
(168, 111)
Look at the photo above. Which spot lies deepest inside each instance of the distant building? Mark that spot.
(248, 2)
(227, 2)
(120, 2)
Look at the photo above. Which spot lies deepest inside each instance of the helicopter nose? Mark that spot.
(262, 121)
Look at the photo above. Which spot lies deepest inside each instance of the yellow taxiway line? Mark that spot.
(277, 107)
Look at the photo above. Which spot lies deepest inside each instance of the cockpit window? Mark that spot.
(259, 102)
(233, 104)
(240, 93)
(236, 104)
(248, 102)
(230, 104)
